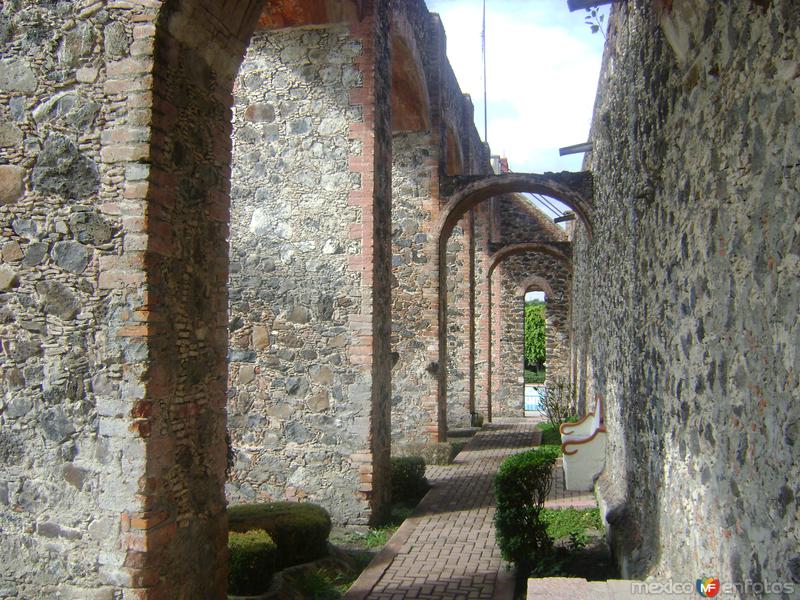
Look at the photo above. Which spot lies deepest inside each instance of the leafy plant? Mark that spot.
(300, 530)
(521, 486)
(535, 352)
(577, 541)
(408, 479)
(251, 561)
(569, 522)
(558, 401)
(323, 584)
(594, 19)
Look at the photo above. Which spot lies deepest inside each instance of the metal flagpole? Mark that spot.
(485, 100)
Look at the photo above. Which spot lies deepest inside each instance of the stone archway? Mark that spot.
(131, 463)
(466, 192)
(189, 561)
(502, 372)
(536, 283)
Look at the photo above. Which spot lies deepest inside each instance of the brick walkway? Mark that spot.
(561, 498)
(447, 550)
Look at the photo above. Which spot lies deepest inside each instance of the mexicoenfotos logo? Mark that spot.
(708, 587)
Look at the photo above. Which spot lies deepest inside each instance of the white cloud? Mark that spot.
(542, 68)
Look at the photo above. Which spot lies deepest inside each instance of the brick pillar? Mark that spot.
(374, 197)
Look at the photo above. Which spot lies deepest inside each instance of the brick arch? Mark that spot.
(465, 192)
(174, 521)
(558, 250)
(175, 268)
(535, 282)
(411, 105)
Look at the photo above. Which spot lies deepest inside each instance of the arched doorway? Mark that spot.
(572, 189)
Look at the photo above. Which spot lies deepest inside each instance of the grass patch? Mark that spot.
(324, 584)
(570, 522)
(533, 376)
(376, 537)
(551, 436)
(577, 552)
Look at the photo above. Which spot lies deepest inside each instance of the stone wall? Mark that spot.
(120, 206)
(68, 464)
(509, 301)
(691, 284)
(519, 221)
(298, 407)
(458, 323)
(482, 312)
(508, 343)
(413, 310)
(420, 158)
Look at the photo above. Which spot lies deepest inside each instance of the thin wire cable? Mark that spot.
(550, 205)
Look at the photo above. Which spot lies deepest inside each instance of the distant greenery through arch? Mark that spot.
(535, 354)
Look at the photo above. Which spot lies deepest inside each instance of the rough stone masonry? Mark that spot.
(127, 210)
(690, 284)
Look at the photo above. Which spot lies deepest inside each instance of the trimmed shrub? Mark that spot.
(408, 479)
(521, 487)
(251, 562)
(300, 530)
(441, 453)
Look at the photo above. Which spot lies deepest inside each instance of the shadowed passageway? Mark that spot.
(447, 550)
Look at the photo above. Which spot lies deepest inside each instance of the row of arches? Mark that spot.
(209, 162)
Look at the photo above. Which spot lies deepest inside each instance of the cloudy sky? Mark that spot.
(542, 68)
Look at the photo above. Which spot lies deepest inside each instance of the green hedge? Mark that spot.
(521, 487)
(408, 479)
(251, 562)
(441, 453)
(300, 530)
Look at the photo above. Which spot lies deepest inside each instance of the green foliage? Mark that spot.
(534, 376)
(408, 479)
(551, 436)
(323, 584)
(251, 561)
(558, 401)
(535, 353)
(441, 453)
(594, 19)
(521, 487)
(376, 537)
(300, 530)
(571, 523)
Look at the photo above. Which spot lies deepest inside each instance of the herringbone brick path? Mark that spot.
(447, 550)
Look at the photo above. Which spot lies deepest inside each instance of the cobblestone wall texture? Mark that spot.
(458, 321)
(298, 407)
(507, 398)
(68, 466)
(413, 309)
(691, 284)
(480, 292)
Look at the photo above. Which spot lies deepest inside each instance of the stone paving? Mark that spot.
(447, 549)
